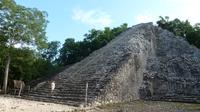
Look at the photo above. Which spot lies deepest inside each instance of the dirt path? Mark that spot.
(148, 106)
(8, 104)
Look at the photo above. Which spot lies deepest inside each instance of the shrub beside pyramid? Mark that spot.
(143, 62)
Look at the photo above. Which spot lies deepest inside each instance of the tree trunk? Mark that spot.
(5, 83)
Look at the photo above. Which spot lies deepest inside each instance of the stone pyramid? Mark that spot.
(143, 62)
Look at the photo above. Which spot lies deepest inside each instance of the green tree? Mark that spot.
(22, 64)
(68, 52)
(182, 29)
(51, 51)
(72, 52)
(22, 27)
(193, 36)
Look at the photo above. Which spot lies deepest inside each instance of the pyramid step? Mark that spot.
(59, 98)
(81, 82)
(70, 86)
(66, 92)
(63, 95)
(76, 87)
(61, 92)
(43, 99)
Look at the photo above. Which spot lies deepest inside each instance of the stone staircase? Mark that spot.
(69, 92)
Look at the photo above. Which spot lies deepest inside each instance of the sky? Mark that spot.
(74, 18)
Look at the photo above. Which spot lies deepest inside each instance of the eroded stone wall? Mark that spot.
(128, 77)
(173, 72)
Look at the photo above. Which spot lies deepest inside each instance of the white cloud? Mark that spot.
(144, 18)
(94, 18)
(182, 9)
(183, 1)
(185, 9)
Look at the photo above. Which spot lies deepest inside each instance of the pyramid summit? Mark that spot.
(143, 62)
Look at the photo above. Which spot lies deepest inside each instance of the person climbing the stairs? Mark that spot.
(53, 85)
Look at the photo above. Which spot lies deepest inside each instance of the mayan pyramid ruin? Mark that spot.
(144, 62)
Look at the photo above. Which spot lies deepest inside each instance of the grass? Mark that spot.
(189, 106)
(150, 106)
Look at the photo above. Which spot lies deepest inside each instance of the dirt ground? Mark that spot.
(148, 106)
(9, 104)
